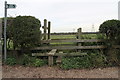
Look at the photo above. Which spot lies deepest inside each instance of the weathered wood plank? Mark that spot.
(50, 60)
(69, 47)
(39, 54)
(70, 54)
(0, 28)
(52, 52)
(59, 54)
(65, 39)
(45, 29)
(90, 32)
(72, 44)
(116, 46)
(79, 35)
(74, 33)
(59, 58)
(49, 27)
(82, 47)
(73, 40)
(50, 56)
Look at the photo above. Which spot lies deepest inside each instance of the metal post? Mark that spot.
(5, 25)
(119, 10)
(0, 49)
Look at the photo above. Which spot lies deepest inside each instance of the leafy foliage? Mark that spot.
(38, 62)
(26, 61)
(26, 31)
(9, 24)
(111, 28)
(10, 61)
(88, 61)
(9, 29)
(98, 59)
(113, 57)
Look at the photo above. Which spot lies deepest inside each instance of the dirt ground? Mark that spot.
(55, 72)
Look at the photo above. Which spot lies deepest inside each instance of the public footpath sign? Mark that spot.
(10, 6)
(7, 6)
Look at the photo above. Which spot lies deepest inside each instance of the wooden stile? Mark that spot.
(50, 56)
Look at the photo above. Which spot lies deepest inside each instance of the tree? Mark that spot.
(9, 27)
(9, 34)
(9, 24)
(26, 32)
(111, 28)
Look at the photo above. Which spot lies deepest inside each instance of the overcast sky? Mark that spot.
(66, 15)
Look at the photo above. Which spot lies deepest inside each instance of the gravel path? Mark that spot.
(55, 72)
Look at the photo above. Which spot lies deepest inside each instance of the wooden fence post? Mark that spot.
(50, 56)
(79, 36)
(49, 26)
(45, 29)
(50, 60)
(59, 58)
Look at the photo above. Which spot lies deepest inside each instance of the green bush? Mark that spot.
(38, 62)
(10, 61)
(112, 29)
(75, 62)
(97, 60)
(113, 57)
(91, 60)
(26, 32)
(100, 36)
(31, 61)
(23, 60)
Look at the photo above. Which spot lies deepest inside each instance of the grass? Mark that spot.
(92, 36)
(84, 36)
(63, 36)
(62, 43)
